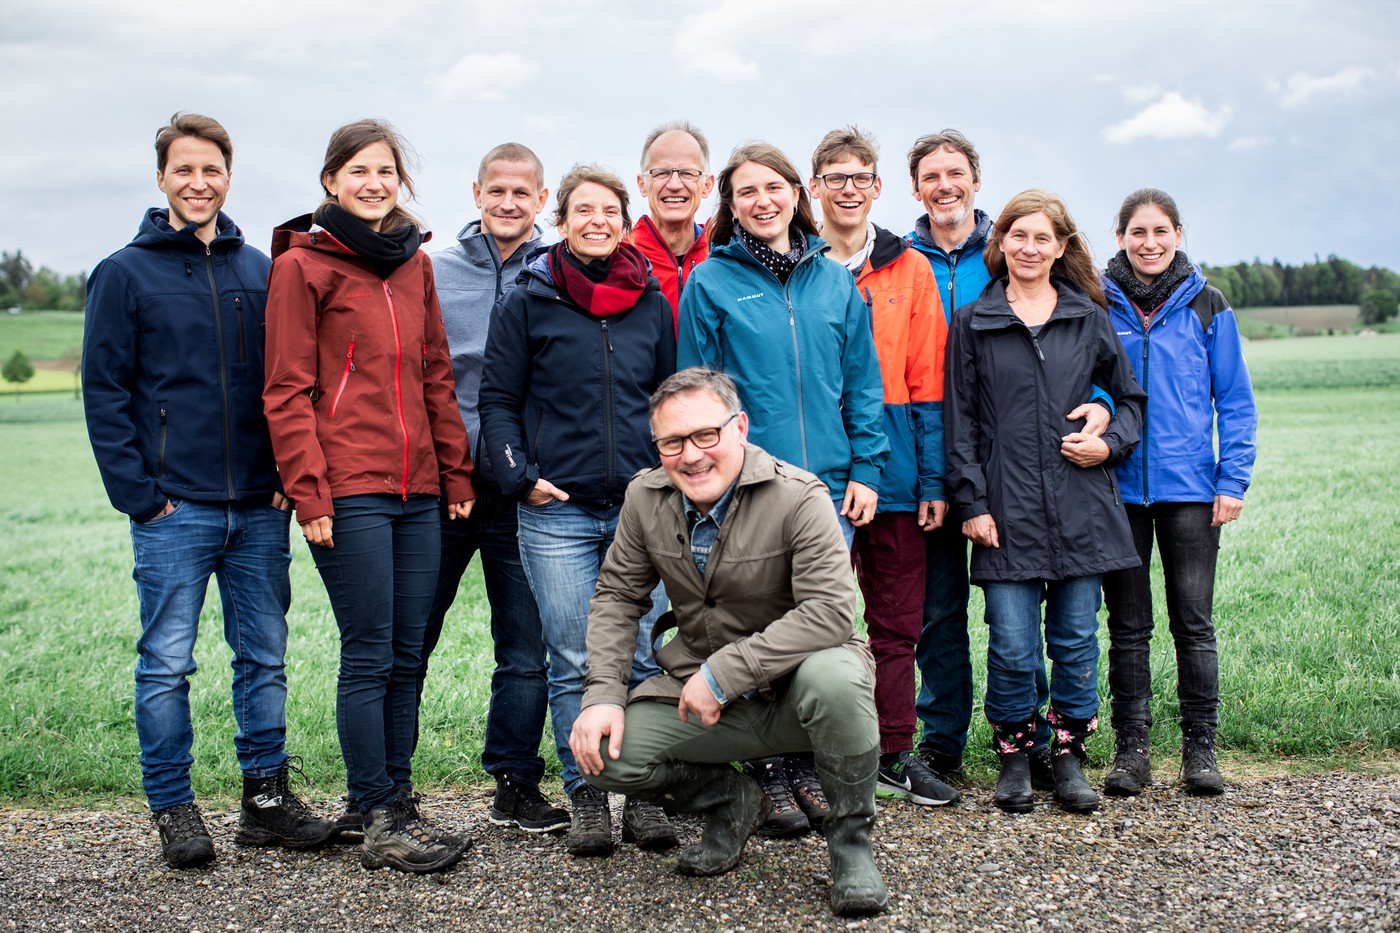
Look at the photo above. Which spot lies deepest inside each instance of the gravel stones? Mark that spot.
(1297, 853)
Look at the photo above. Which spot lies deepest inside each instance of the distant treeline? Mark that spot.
(39, 289)
(1330, 281)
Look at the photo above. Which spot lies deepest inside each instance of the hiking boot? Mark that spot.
(647, 825)
(184, 841)
(519, 804)
(590, 832)
(396, 837)
(908, 775)
(1042, 769)
(411, 800)
(1199, 770)
(271, 815)
(849, 780)
(350, 824)
(801, 774)
(1132, 761)
(785, 818)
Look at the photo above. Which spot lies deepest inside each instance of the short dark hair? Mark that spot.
(198, 126)
(350, 139)
(695, 379)
(580, 174)
(951, 140)
(1154, 196)
(511, 152)
(849, 142)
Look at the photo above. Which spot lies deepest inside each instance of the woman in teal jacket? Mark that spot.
(1185, 348)
(789, 326)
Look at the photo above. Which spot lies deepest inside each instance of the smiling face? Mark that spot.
(703, 475)
(195, 181)
(1030, 248)
(510, 197)
(764, 203)
(1151, 242)
(945, 186)
(674, 201)
(593, 224)
(845, 209)
(367, 185)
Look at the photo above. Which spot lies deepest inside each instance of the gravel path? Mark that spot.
(1301, 852)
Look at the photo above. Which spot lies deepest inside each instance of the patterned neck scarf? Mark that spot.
(1148, 298)
(780, 264)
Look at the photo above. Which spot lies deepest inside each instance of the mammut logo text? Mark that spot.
(510, 457)
(747, 297)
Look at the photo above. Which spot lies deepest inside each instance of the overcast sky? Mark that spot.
(1275, 123)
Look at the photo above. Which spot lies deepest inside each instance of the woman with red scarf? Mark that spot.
(573, 355)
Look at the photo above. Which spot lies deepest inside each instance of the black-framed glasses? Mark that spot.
(837, 180)
(703, 439)
(663, 175)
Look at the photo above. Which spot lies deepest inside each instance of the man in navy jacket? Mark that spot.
(173, 379)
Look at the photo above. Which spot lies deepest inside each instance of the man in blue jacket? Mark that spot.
(952, 233)
(484, 264)
(173, 379)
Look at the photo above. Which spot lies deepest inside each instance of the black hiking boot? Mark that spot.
(1132, 761)
(1199, 770)
(184, 841)
(271, 815)
(519, 804)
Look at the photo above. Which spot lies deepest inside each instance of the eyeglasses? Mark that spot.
(703, 439)
(837, 180)
(663, 175)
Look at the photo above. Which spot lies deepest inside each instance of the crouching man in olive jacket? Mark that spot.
(763, 661)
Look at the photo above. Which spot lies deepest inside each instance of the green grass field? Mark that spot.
(1306, 607)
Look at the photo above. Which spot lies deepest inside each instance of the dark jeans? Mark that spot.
(1189, 547)
(519, 685)
(943, 656)
(380, 576)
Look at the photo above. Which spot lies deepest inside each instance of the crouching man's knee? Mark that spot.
(834, 695)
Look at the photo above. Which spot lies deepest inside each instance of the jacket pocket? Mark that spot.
(160, 449)
(344, 376)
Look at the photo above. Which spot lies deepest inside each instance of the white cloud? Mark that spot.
(483, 76)
(1141, 94)
(1303, 87)
(1245, 143)
(1171, 117)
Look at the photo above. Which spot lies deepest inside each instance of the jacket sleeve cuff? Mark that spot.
(1102, 397)
(605, 695)
(713, 684)
(866, 474)
(1232, 488)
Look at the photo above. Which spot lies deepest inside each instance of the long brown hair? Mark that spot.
(720, 229)
(350, 139)
(1077, 263)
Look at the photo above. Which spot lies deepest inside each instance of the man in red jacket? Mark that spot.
(675, 179)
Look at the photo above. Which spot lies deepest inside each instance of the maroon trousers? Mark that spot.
(889, 559)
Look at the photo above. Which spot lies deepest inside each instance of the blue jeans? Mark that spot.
(562, 545)
(246, 548)
(380, 576)
(943, 654)
(519, 685)
(1014, 647)
(1189, 548)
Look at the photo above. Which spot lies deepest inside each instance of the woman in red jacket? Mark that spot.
(361, 404)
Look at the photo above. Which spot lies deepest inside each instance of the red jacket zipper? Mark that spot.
(345, 377)
(398, 387)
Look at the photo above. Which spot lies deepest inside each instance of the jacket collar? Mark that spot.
(993, 312)
(156, 231)
(888, 248)
(480, 246)
(922, 237)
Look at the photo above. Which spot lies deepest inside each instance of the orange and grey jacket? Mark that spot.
(911, 331)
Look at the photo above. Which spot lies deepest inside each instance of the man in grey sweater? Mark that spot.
(471, 276)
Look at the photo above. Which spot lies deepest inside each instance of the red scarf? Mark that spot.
(619, 290)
